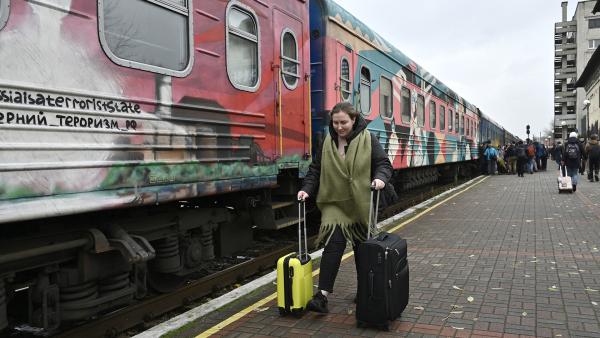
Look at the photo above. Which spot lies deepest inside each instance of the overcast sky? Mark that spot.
(498, 55)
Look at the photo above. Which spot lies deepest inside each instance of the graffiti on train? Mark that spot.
(65, 120)
(68, 102)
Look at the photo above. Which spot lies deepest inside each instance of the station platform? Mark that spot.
(503, 257)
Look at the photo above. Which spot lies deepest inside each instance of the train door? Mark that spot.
(345, 73)
(292, 96)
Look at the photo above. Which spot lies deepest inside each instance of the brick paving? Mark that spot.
(508, 258)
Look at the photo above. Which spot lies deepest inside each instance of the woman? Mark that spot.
(349, 162)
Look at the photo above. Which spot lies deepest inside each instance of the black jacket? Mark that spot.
(381, 167)
(569, 162)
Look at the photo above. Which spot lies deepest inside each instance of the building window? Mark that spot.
(290, 66)
(385, 97)
(594, 23)
(442, 117)
(405, 105)
(420, 110)
(131, 37)
(4, 11)
(593, 44)
(432, 114)
(345, 79)
(365, 90)
(243, 36)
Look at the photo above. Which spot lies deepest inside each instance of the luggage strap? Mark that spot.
(373, 213)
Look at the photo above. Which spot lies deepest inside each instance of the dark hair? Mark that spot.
(345, 107)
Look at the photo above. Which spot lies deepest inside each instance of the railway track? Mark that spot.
(117, 322)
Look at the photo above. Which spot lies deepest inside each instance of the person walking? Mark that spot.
(521, 152)
(511, 154)
(557, 153)
(491, 157)
(350, 161)
(572, 155)
(592, 149)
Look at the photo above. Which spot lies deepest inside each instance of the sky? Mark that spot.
(498, 55)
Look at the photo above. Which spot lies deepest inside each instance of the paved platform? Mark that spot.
(507, 257)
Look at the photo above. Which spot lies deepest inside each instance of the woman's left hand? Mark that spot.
(377, 184)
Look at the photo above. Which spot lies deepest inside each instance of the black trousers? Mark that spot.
(332, 257)
(593, 168)
(521, 163)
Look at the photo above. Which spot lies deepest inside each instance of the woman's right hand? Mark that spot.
(302, 195)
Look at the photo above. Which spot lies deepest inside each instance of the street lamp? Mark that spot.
(563, 124)
(586, 105)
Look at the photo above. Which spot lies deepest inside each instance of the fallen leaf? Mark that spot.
(560, 244)
(590, 290)
(553, 288)
(594, 303)
(524, 314)
(471, 256)
(419, 308)
(261, 309)
(456, 287)
(528, 220)
(526, 276)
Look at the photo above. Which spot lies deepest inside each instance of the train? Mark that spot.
(141, 139)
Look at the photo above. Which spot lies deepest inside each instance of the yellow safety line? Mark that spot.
(272, 296)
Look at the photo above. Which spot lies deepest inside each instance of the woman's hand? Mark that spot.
(377, 184)
(302, 195)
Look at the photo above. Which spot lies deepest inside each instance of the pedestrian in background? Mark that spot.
(592, 149)
(511, 154)
(572, 155)
(491, 157)
(349, 162)
(557, 153)
(521, 151)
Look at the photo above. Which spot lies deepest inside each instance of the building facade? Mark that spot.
(575, 41)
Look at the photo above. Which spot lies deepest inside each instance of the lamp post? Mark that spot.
(586, 105)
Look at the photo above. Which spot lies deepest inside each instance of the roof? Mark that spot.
(596, 7)
(350, 22)
(590, 68)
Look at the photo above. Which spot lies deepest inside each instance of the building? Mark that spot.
(589, 82)
(574, 43)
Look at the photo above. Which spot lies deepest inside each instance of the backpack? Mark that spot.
(531, 150)
(595, 152)
(572, 151)
(521, 152)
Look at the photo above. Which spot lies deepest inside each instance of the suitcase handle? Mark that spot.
(301, 222)
(373, 220)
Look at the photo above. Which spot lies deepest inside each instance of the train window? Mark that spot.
(462, 124)
(4, 11)
(467, 127)
(432, 114)
(385, 97)
(365, 90)
(442, 117)
(243, 60)
(405, 105)
(131, 38)
(450, 120)
(420, 110)
(289, 59)
(456, 126)
(345, 79)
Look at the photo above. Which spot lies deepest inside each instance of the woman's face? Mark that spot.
(342, 123)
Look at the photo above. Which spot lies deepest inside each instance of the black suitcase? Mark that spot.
(382, 278)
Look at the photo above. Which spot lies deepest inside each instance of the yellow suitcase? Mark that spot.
(294, 274)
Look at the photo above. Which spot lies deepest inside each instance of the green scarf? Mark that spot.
(343, 196)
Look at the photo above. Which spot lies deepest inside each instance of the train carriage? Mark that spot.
(110, 110)
(420, 122)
